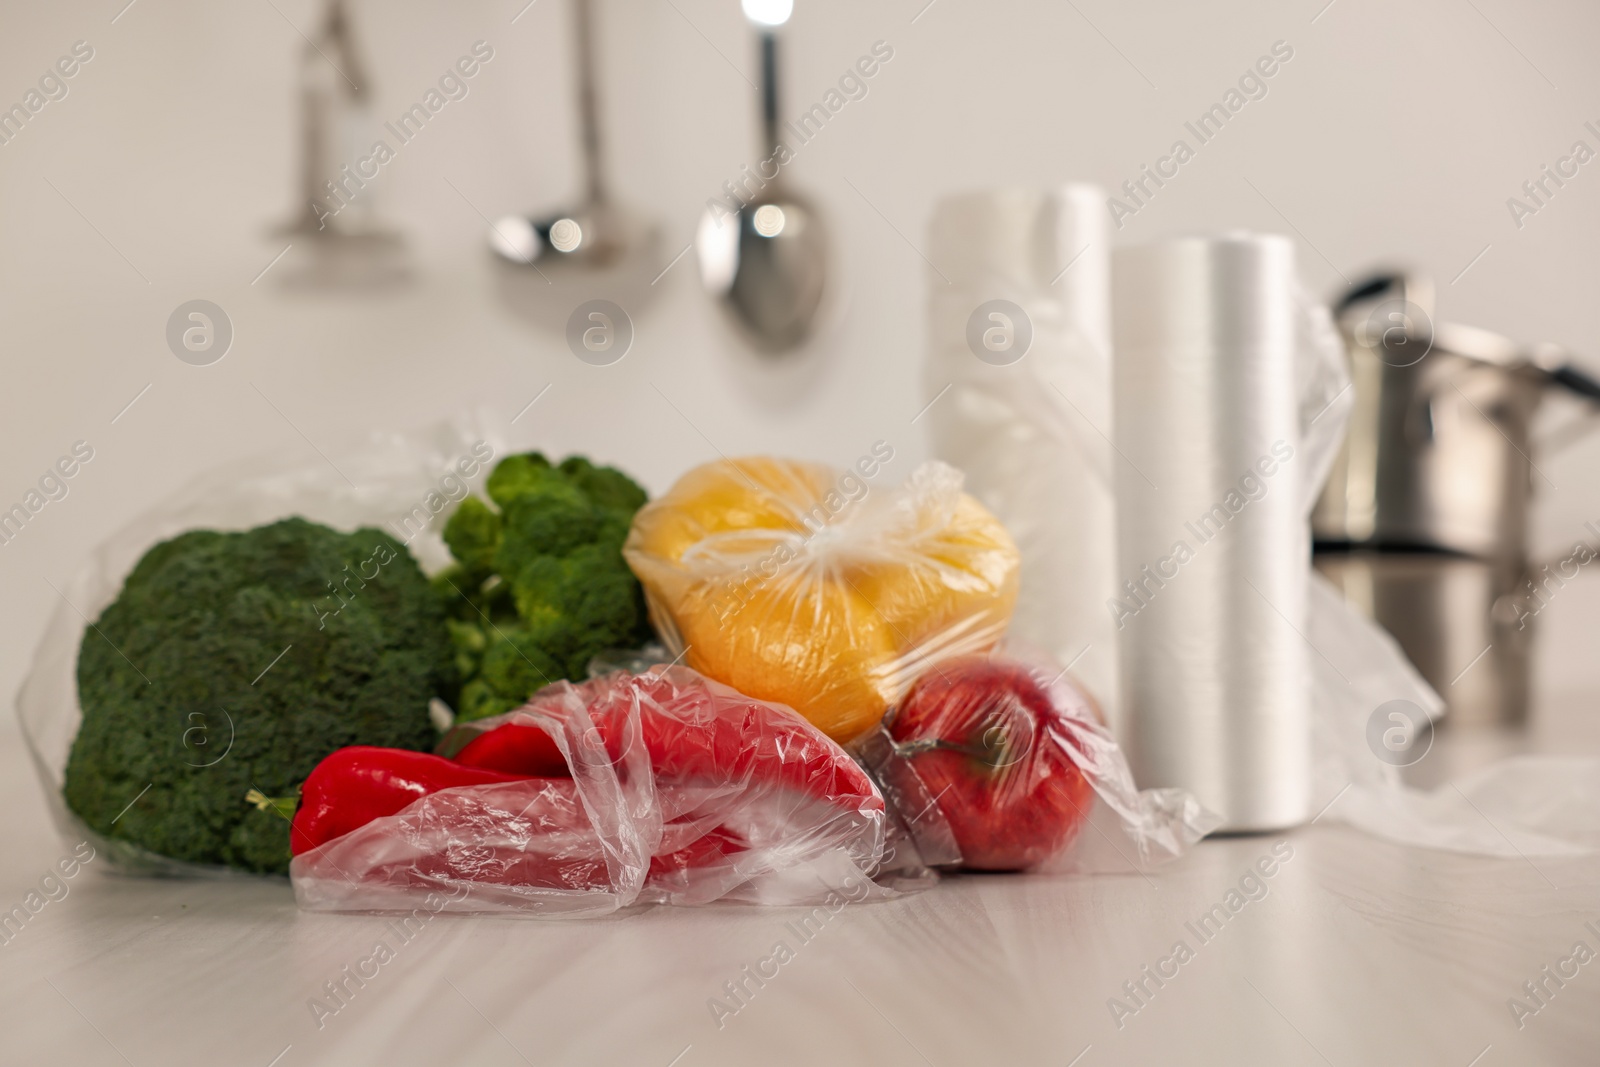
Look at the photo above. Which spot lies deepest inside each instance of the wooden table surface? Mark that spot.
(1360, 953)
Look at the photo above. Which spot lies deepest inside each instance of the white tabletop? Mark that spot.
(1362, 952)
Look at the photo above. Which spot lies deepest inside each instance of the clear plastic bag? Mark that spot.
(992, 763)
(1032, 432)
(681, 791)
(801, 584)
(394, 474)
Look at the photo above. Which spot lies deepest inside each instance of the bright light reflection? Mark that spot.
(768, 12)
(565, 235)
(768, 220)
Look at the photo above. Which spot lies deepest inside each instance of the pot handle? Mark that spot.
(1576, 380)
(1555, 362)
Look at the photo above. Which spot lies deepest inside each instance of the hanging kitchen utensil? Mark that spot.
(597, 232)
(769, 261)
(341, 241)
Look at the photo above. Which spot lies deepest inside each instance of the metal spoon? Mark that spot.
(597, 232)
(770, 262)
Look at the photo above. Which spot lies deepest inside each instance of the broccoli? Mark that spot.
(539, 585)
(233, 662)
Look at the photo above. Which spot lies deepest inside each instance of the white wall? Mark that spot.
(1396, 133)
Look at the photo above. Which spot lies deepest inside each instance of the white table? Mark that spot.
(1361, 953)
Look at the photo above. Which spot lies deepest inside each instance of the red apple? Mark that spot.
(990, 744)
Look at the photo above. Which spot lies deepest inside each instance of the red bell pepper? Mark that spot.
(516, 748)
(704, 744)
(355, 785)
(692, 787)
(700, 742)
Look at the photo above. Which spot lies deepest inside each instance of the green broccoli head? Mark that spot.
(541, 583)
(237, 661)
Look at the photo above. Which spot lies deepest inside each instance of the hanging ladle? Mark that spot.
(595, 233)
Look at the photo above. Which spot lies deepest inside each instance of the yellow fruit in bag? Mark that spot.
(799, 584)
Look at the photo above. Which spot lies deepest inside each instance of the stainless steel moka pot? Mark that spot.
(1423, 523)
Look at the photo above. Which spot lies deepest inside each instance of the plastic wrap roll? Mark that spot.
(1213, 544)
(1022, 403)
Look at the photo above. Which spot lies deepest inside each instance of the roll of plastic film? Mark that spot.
(1019, 380)
(1213, 545)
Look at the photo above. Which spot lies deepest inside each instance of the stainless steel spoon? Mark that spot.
(597, 232)
(769, 263)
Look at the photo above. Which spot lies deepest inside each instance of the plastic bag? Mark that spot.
(1030, 424)
(385, 479)
(997, 764)
(681, 791)
(800, 584)
(1515, 808)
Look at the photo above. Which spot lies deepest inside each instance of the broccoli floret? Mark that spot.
(237, 661)
(473, 534)
(609, 488)
(469, 643)
(512, 666)
(516, 475)
(562, 599)
(557, 590)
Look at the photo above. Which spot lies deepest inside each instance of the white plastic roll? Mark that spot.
(1213, 543)
(1021, 401)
